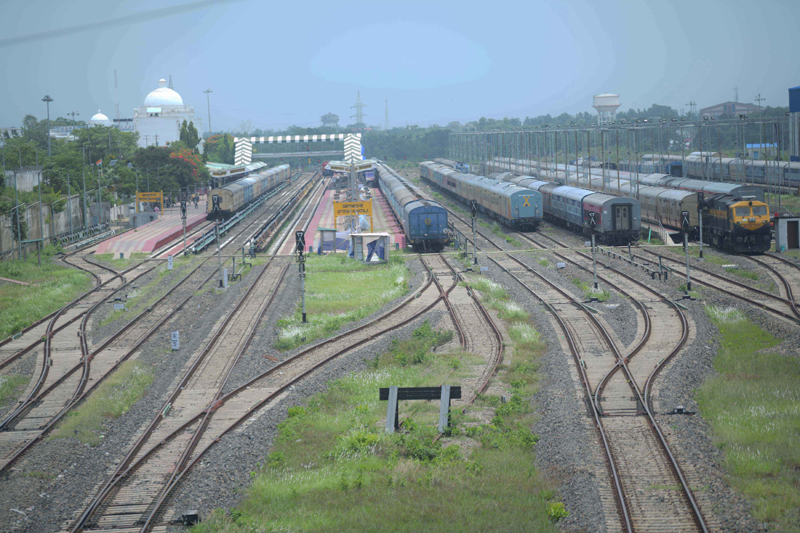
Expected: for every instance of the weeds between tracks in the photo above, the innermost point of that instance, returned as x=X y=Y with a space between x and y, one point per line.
x=340 y=290
x=51 y=287
x=334 y=469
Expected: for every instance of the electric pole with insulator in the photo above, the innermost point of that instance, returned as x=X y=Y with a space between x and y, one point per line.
x=685 y=225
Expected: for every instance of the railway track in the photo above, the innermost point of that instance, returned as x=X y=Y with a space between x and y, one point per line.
x=476 y=330
x=134 y=496
x=777 y=305
x=77 y=369
x=642 y=468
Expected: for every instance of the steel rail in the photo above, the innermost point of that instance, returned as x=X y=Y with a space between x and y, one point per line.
x=644 y=398
x=782 y=278
x=761 y=305
x=49 y=426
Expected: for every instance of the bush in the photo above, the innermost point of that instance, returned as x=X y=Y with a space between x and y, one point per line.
x=557 y=511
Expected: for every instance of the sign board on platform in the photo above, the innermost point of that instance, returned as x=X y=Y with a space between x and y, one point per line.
x=119 y=306
x=176 y=340
x=352 y=208
x=150 y=197
x=169 y=262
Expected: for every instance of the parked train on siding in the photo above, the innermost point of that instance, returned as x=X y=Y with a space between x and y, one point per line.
x=236 y=195
x=424 y=221
x=664 y=199
x=514 y=206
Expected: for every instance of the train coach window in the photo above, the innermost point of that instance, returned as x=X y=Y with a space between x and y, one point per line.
x=742 y=211
x=759 y=210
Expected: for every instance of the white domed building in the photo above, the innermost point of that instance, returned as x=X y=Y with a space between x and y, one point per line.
x=159 y=120
x=99 y=119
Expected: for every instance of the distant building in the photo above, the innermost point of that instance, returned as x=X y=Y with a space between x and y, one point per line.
x=606 y=105
x=99 y=119
x=329 y=120
x=159 y=120
x=729 y=108
x=794 y=123
x=8 y=133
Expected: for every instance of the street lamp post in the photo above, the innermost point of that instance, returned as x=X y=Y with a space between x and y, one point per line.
x=208 y=101
x=47 y=100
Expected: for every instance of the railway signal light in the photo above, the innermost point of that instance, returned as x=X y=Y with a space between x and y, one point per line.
x=215 y=203
x=474 y=207
x=300 y=240
x=685 y=221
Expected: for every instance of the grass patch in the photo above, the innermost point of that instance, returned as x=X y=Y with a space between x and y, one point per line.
x=742 y=273
x=754 y=409
x=334 y=469
x=496 y=297
x=340 y=290
x=51 y=287
x=712 y=258
x=653 y=241
x=112 y=399
x=10 y=384
x=544 y=262
x=589 y=292
x=122 y=264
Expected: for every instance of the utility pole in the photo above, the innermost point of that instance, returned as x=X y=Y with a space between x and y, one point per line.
x=85 y=208
x=215 y=210
x=184 y=194
x=474 y=206
x=208 y=101
x=69 y=203
x=386 y=118
x=685 y=225
x=47 y=100
x=759 y=100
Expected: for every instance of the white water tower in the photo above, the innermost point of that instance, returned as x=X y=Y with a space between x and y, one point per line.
x=606 y=105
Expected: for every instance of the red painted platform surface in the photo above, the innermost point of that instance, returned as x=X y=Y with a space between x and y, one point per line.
x=312 y=227
x=393 y=225
x=154 y=235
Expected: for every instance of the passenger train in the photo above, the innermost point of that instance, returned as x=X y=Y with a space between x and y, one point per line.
x=514 y=206
x=236 y=195
x=424 y=221
x=735 y=216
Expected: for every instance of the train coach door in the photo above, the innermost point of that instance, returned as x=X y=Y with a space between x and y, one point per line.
x=622 y=217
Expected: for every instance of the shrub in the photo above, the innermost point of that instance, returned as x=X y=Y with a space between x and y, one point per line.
x=557 y=511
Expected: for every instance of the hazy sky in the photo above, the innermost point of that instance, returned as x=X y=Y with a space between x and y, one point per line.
x=288 y=62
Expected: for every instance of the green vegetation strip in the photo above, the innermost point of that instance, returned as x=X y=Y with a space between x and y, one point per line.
x=589 y=292
x=121 y=264
x=9 y=384
x=51 y=287
x=333 y=468
x=340 y=290
x=754 y=409
x=112 y=399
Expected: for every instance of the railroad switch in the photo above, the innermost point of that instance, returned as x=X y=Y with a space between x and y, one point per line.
x=680 y=410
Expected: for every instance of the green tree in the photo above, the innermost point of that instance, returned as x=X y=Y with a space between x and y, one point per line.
x=189 y=136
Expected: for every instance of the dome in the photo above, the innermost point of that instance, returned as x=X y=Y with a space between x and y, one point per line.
x=163 y=95
x=99 y=119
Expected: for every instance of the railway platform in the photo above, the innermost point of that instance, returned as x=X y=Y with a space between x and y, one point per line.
x=152 y=236
x=383 y=219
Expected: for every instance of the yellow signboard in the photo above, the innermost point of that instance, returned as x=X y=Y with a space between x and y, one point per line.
x=150 y=197
x=349 y=209
x=344 y=209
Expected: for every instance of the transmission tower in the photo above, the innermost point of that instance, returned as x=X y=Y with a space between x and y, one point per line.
x=170 y=82
x=736 y=95
x=386 y=118
x=692 y=107
x=116 y=90
x=359 y=116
